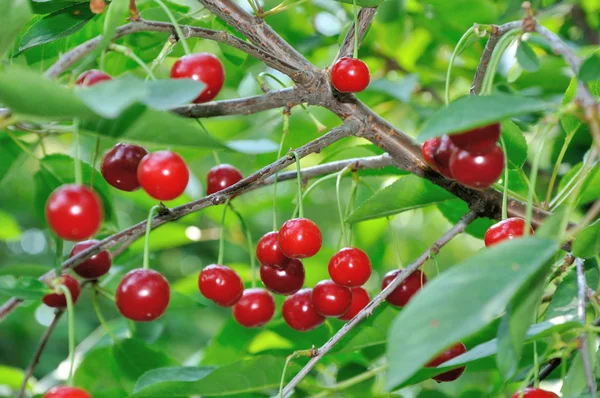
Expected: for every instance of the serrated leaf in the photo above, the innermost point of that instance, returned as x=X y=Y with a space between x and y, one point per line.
x=516 y=145
x=527 y=58
x=25 y=288
x=587 y=242
x=14 y=14
x=590 y=68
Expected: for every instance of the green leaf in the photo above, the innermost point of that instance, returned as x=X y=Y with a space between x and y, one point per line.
x=570 y=123
x=527 y=58
x=363 y=3
x=12 y=377
x=180 y=301
x=587 y=243
x=516 y=145
x=233 y=55
x=231 y=342
x=10 y=228
x=31 y=270
x=460 y=302
x=372 y=331
x=14 y=14
x=50 y=6
x=253 y=147
x=575 y=380
x=98 y=372
x=401 y=90
x=564 y=299
x=590 y=69
x=454 y=209
x=9 y=153
x=25 y=288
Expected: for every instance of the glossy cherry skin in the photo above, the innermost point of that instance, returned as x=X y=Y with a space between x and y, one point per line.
x=95 y=266
x=350 y=267
x=285 y=279
x=534 y=393
x=58 y=300
x=437 y=152
x=163 y=175
x=511 y=228
x=477 y=171
x=479 y=140
x=401 y=295
x=268 y=251
x=300 y=238
x=120 y=164
x=299 y=313
x=452 y=352
x=330 y=299
x=255 y=308
x=350 y=75
x=91 y=77
x=220 y=284
x=360 y=299
x=143 y=295
x=221 y=177
x=203 y=67
x=67 y=392
x=74 y=212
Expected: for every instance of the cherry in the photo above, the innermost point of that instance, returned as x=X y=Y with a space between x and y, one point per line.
x=299 y=313
x=67 y=392
x=437 y=152
x=268 y=251
x=452 y=352
x=143 y=295
x=221 y=177
x=74 y=212
x=120 y=164
x=511 y=228
x=91 y=77
x=401 y=295
x=350 y=75
x=220 y=284
x=330 y=299
x=163 y=175
x=360 y=299
x=58 y=300
x=534 y=393
x=477 y=171
x=479 y=140
x=285 y=279
x=95 y=266
x=203 y=67
x=350 y=267
x=300 y=238
x=255 y=308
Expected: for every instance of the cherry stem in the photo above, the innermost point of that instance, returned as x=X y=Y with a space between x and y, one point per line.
x=249 y=241
x=355 y=11
x=299 y=180
x=313 y=186
x=222 y=235
x=164 y=52
x=533 y=177
x=296 y=354
x=59 y=256
x=96 y=153
x=457 y=50
x=178 y=30
x=505 y=190
x=350 y=207
x=147 y=239
x=339 y=204
x=99 y=315
x=78 y=177
x=396 y=242
x=559 y=160
x=286 y=129
x=71 y=323
x=128 y=52
x=503 y=44
x=105 y=293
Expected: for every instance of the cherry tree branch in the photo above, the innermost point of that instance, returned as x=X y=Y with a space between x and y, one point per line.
x=365 y=17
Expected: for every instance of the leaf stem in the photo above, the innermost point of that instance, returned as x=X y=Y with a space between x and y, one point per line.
x=299 y=181
x=99 y=315
x=164 y=52
x=313 y=186
x=178 y=30
x=503 y=43
x=147 y=238
x=459 y=48
x=59 y=256
x=222 y=235
x=559 y=160
x=296 y=354
x=71 y=323
x=78 y=177
x=128 y=52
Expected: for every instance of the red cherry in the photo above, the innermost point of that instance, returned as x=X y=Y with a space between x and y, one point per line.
x=299 y=313
x=221 y=177
x=74 y=212
x=220 y=284
x=58 y=300
x=452 y=352
x=401 y=295
x=120 y=164
x=67 y=392
x=350 y=75
x=428 y=151
x=300 y=238
x=255 y=308
x=268 y=252
x=479 y=140
x=330 y=299
x=203 y=67
x=477 y=171
x=95 y=266
x=285 y=279
x=163 y=175
x=534 y=393
x=350 y=267
x=511 y=228
x=143 y=295
x=437 y=152
x=91 y=77
x=360 y=299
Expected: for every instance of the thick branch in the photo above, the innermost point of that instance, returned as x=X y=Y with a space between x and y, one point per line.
x=365 y=17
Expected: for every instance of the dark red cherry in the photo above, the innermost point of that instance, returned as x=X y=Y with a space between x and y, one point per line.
x=58 y=299
x=477 y=171
x=452 y=352
x=163 y=175
x=95 y=266
x=221 y=177
x=203 y=67
x=74 y=212
x=350 y=267
x=143 y=295
x=91 y=77
x=479 y=140
x=330 y=299
x=437 y=152
x=120 y=164
x=511 y=228
x=255 y=308
x=285 y=279
x=67 y=392
x=268 y=251
x=428 y=152
x=300 y=238
x=299 y=313
x=401 y=295
x=350 y=75
x=360 y=299
x=534 y=393
x=220 y=284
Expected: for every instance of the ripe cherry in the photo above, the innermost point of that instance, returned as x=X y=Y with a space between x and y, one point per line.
x=203 y=67
x=479 y=140
x=221 y=177
x=74 y=212
x=67 y=392
x=477 y=171
x=401 y=295
x=58 y=300
x=163 y=175
x=452 y=352
x=437 y=152
x=143 y=295
x=120 y=164
x=91 y=77
x=511 y=228
x=299 y=313
x=95 y=266
x=330 y=299
x=350 y=267
x=255 y=308
x=350 y=75
x=268 y=251
x=300 y=238
x=220 y=284
x=284 y=279
x=360 y=299
x=534 y=393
